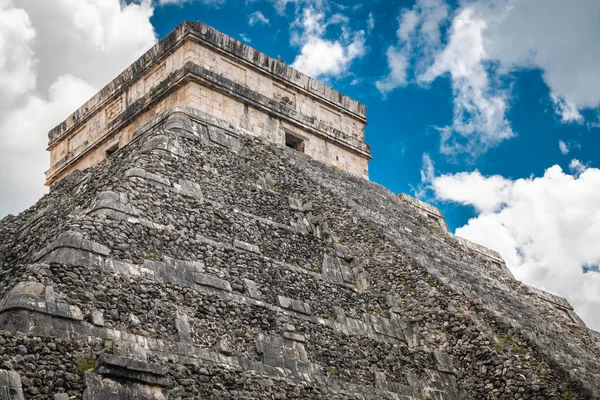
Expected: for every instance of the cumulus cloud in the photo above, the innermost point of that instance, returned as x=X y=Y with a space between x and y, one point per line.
x=558 y=39
x=321 y=57
x=546 y=228
x=486 y=42
x=57 y=55
x=16 y=56
x=258 y=17
x=486 y=194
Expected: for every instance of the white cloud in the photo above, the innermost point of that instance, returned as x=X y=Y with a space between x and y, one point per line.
x=428 y=169
x=23 y=157
x=66 y=50
x=181 y=2
x=427 y=175
x=16 y=56
x=409 y=20
x=370 y=22
x=281 y=5
x=258 y=17
x=558 y=38
x=398 y=62
x=567 y=110
x=489 y=40
x=479 y=108
x=418 y=37
x=546 y=228
x=486 y=194
x=320 y=57
x=564 y=148
x=576 y=167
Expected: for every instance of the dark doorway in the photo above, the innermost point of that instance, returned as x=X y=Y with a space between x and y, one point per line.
x=294 y=142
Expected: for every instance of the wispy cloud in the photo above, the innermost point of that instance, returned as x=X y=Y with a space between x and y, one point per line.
x=479 y=106
x=485 y=43
x=564 y=149
x=577 y=167
x=567 y=110
x=370 y=22
x=258 y=17
x=398 y=62
x=181 y=2
x=418 y=38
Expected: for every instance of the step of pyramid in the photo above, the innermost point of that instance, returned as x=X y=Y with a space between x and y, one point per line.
x=273 y=276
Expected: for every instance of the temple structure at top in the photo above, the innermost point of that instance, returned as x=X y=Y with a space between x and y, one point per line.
x=197 y=66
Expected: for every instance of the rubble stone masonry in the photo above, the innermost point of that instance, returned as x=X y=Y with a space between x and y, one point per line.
x=198 y=262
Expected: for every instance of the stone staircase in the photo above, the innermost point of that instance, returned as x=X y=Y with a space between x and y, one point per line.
x=197 y=262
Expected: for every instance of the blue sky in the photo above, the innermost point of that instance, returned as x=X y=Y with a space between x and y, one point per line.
x=490 y=110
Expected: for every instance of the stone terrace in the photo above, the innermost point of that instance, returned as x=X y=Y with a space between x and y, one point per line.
x=199 y=262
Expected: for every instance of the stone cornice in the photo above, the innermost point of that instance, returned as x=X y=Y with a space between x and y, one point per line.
x=200 y=32
x=194 y=72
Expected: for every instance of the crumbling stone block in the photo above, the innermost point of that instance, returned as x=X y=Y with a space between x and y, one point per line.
x=444 y=363
x=246 y=246
x=10 y=385
x=337 y=270
x=97 y=317
x=297 y=205
x=164 y=143
x=252 y=289
x=278 y=351
x=183 y=327
x=294 y=336
x=130 y=369
x=294 y=305
x=189 y=188
x=212 y=281
x=110 y=203
x=101 y=387
x=137 y=172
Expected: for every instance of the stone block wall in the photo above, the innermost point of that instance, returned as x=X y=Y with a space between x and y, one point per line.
x=196 y=263
x=189 y=69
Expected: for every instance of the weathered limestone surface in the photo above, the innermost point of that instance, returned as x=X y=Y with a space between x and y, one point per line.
x=200 y=67
x=190 y=265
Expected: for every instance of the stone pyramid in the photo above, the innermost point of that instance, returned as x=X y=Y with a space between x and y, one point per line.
x=198 y=262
